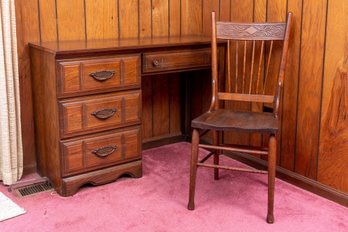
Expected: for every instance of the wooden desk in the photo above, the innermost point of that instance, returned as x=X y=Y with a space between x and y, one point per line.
x=88 y=101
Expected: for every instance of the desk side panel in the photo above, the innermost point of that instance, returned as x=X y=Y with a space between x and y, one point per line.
x=43 y=74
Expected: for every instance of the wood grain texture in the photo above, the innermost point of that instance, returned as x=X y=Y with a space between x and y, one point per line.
x=260 y=11
x=208 y=7
x=276 y=12
x=155 y=62
x=174 y=17
x=225 y=6
x=333 y=150
x=101 y=151
x=312 y=51
x=175 y=103
x=242 y=13
x=288 y=130
x=71 y=20
x=48 y=20
x=147 y=119
x=46 y=115
x=145 y=21
x=37 y=19
x=128 y=18
x=260 y=15
x=191 y=17
x=101 y=19
x=160 y=13
x=98 y=113
x=196 y=85
x=27 y=23
x=161 y=105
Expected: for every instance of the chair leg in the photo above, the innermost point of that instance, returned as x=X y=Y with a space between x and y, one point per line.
x=193 y=170
x=272 y=154
x=216 y=154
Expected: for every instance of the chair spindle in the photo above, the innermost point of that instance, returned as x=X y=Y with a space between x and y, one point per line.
x=260 y=67
x=267 y=68
x=252 y=67
x=229 y=85
x=236 y=67
x=244 y=64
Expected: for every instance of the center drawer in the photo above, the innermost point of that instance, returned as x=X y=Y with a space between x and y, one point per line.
x=154 y=62
x=100 y=112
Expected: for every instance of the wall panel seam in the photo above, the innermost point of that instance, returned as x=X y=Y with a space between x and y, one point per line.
x=322 y=89
x=298 y=89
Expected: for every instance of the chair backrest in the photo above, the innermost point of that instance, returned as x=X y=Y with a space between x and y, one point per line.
x=251 y=55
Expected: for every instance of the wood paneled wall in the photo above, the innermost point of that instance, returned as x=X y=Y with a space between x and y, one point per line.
x=314 y=132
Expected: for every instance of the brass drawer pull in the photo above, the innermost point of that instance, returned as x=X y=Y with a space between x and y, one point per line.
x=103 y=152
x=156 y=63
x=102 y=75
x=104 y=113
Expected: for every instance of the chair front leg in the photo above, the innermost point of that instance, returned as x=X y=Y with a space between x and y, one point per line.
x=216 y=153
x=193 y=169
x=272 y=154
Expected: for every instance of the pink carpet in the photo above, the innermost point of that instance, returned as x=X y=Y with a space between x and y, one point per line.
x=157 y=202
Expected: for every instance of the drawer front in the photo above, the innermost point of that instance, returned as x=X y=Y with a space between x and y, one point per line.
x=97 y=75
x=100 y=151
x=180 y=60
x=92 y=114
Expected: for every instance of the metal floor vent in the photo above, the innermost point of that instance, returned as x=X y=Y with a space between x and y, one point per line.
x=33 y=189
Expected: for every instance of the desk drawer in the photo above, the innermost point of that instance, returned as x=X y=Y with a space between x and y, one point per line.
x=97 y=75
x=91 y=114
x=179 y=60
x=104 y=150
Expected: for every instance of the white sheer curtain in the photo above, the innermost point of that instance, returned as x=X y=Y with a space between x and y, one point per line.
x=11 y=152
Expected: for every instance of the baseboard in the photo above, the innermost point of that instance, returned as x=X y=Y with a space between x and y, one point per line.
x=163 y=140
x=296 y=179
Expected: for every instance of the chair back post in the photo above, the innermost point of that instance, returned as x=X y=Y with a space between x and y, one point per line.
x=214 y=101
x=282 y=66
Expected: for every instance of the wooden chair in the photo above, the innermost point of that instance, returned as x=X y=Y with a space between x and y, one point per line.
x=248 y=82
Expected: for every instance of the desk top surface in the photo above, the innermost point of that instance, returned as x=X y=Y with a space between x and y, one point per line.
x=109 y=45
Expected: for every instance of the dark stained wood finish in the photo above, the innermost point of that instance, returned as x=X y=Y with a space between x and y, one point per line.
x=79 y=77
x=175 y=100
x=37 y=21
x=161 y=110
x=229 y=120
x=97 y=113
x=242 y=13
x=220 y=119
x=73 y=113
x=112 y=46
x=27 y=27
x=46 y=115
x=71 y=184
x=95 y=90
x=289 y=110
x=147 y=103
x=250 y=31
x=93 y=153
x=177 y=60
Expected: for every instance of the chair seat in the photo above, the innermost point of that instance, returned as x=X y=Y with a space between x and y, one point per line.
x=229 y=120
